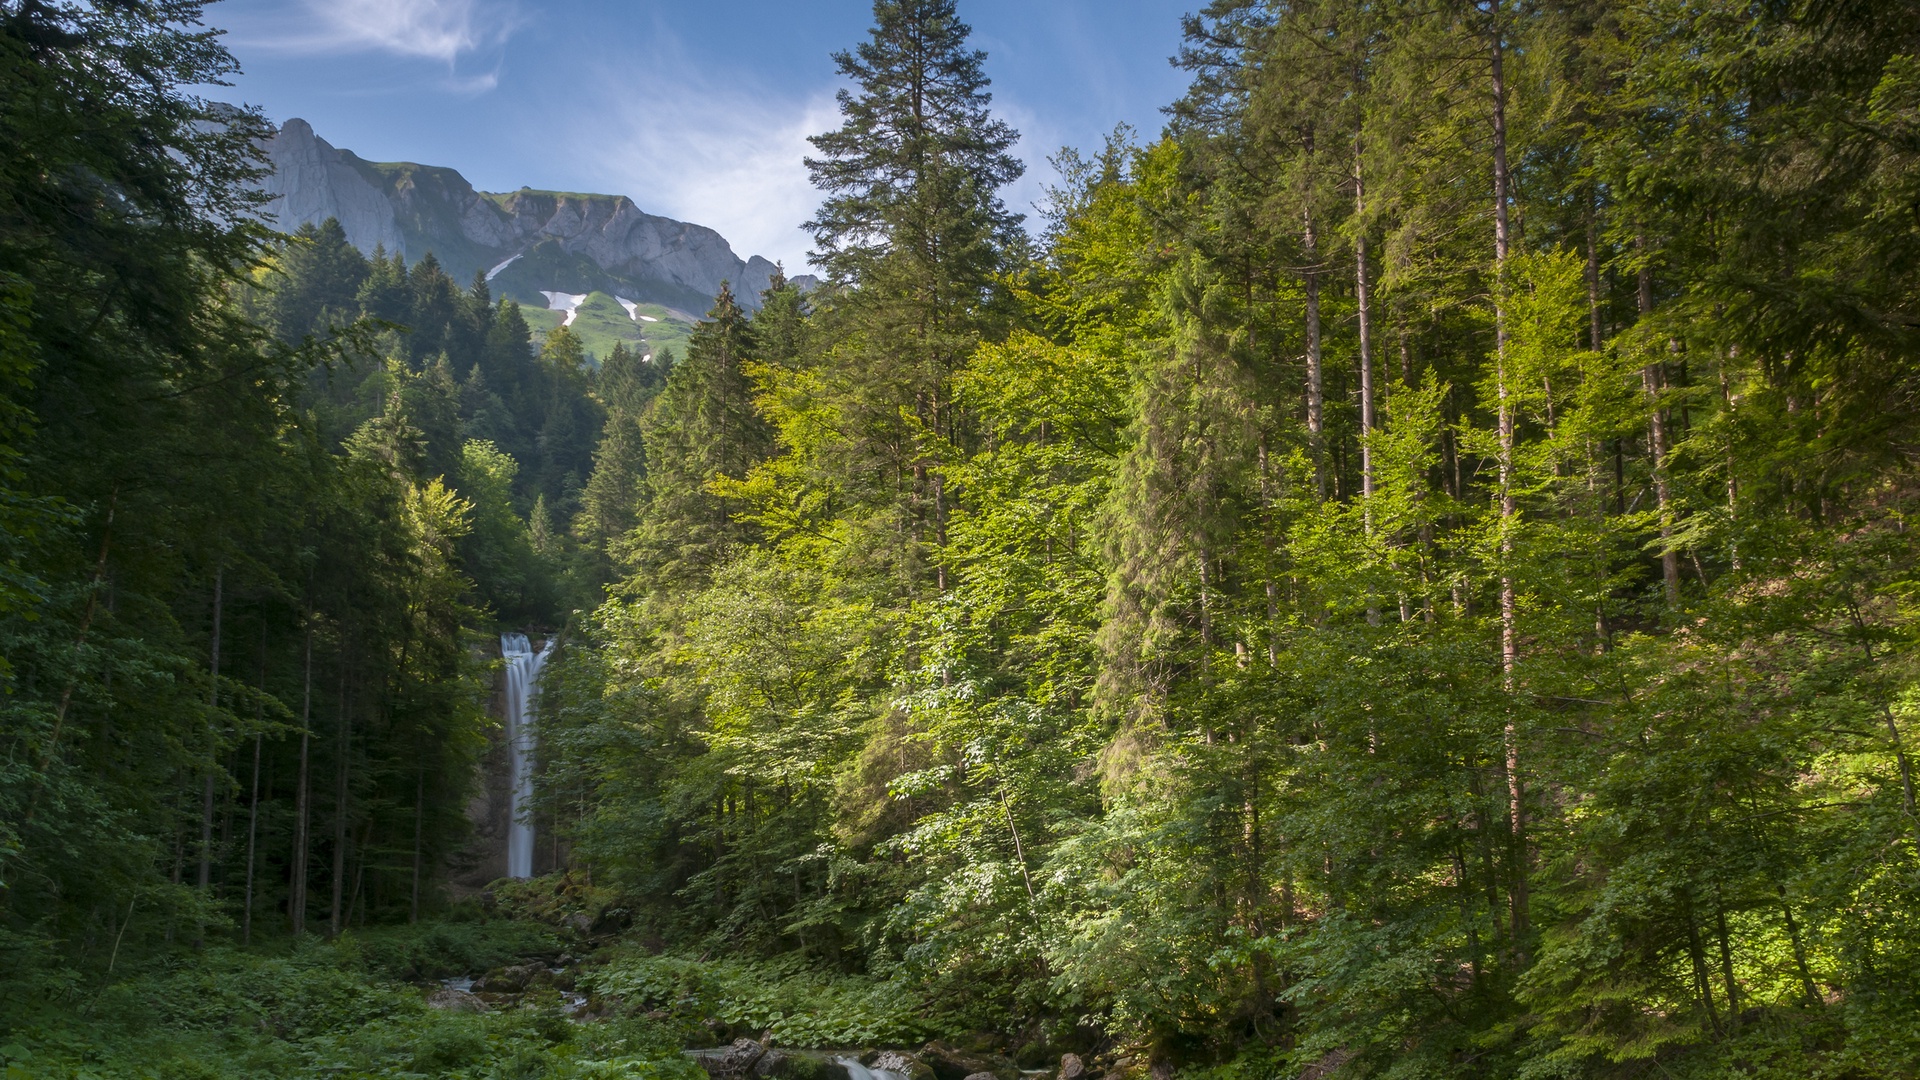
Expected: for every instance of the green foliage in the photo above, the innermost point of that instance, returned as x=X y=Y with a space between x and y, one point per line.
x=1287 y=623
x=323 y=1011
x=792 y=1003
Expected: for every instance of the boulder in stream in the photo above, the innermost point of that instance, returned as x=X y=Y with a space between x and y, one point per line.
x=1071 y=1067
x=907 y=1065
x=735 y=1062
x=451 y=999
x=513 y=979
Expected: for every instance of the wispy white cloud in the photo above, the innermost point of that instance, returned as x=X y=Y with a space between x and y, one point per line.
x=734 y=160
x=432 y=29
x=445 y=31
x=715 y=148
x=727 y=156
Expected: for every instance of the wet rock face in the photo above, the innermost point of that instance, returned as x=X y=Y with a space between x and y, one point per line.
x=908 y=1065
x=449 y=999
x=514 y=979
x=735 y=1062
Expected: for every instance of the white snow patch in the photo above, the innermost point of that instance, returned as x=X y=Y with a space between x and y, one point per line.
x=633 y=310
x=495 y=272
x=567 y=302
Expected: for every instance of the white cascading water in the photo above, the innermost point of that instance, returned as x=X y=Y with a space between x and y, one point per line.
x=523 y=682
x=857 y=1071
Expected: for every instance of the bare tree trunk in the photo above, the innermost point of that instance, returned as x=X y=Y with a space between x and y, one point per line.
x=419 y=821
x=1594 y=329
x=1316 y=383
x=343 y=741
x=1361 y=295
x=1367 y=418
x=253 y=835
x=297 y=896
x=205 y=876
x=1509 y=511
x=253 y=800
x=1652 y=380
x=213 y=702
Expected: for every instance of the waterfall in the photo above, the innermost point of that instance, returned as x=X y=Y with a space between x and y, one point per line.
x=523 y=682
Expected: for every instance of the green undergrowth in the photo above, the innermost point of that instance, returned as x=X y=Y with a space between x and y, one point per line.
x=783 y=999
x=316 y=1010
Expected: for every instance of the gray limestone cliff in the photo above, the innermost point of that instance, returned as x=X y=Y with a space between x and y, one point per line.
x=311 y=182
x=526 y=240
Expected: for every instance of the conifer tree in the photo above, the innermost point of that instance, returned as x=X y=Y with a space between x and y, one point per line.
x=703 y=427
x=913 y=231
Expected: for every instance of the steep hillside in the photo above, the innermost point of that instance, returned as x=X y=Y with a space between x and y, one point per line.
x=602 y=321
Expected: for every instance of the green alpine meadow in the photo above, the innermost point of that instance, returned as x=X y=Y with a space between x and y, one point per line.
x=1409 y=569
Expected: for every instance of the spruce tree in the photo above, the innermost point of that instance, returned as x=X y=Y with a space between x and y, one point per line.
x=912 y=234
x=702 y=427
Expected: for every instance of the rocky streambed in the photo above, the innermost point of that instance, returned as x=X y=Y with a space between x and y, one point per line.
x=511 y=987
x=553 y=982
x=748 y=1059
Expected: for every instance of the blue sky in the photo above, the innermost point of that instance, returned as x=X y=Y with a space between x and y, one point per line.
x=698 y=111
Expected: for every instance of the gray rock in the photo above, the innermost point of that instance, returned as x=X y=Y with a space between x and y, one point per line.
x=311 y=182
x=448 y=999
x=513 y=979
x=1071 y=1067
x=903 y=1063
x=735 y=1062
x=416 y=209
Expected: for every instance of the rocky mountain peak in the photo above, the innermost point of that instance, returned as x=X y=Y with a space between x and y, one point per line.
x=529 y=241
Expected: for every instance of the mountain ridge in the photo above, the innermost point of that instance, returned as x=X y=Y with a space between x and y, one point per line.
x=527 y=241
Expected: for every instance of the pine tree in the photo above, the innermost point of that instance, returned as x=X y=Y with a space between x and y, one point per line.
x=702 y=427
x=320 y=275
x=913 y=233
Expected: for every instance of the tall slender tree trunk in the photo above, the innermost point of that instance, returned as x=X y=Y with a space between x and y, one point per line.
x=213 y=702
x=1509 y=511
x=1652 y=381
x=342 y=778
x=253 y=799
x=253 y=836
x=1316 y=382
x=1596 y=338
x=1362 y=297
x=1595 y=331
x=419 y=823
x=302 y=802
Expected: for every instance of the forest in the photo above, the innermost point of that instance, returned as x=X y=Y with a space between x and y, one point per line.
x=1402 y=572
